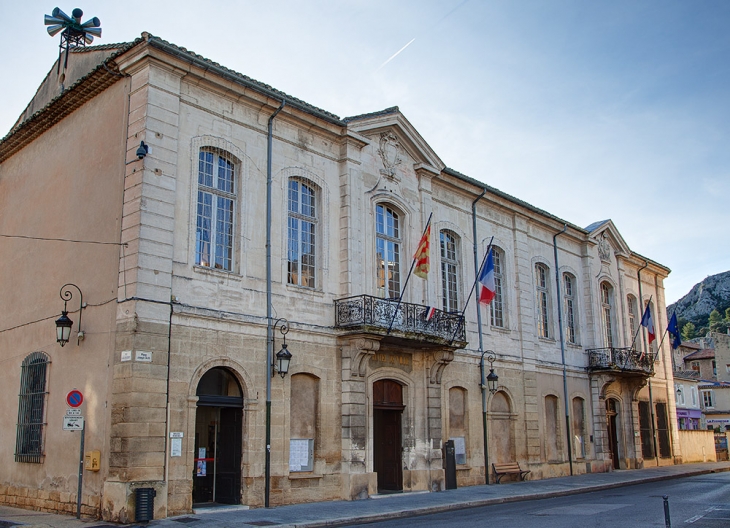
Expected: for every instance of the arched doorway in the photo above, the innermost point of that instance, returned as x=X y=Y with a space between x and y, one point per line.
x=501 y=436
x=387 y=443
x=612 y=429
x=218 y=439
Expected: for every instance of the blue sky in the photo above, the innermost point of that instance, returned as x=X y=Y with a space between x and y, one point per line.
x=590 y=110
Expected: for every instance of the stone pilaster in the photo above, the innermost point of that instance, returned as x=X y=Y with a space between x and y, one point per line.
x=357 y=482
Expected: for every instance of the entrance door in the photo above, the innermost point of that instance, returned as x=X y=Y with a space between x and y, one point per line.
x=218 y=439
x=387 y=444
x=612 y=426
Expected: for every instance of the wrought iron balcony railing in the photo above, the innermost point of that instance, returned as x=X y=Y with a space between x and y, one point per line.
x=375 y=315
x=627 y=360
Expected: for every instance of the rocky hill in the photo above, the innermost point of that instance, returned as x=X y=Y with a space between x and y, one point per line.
x=713 y=293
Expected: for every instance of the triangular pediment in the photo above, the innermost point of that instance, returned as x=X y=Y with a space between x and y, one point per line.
x=607 y=237
x=392 y=125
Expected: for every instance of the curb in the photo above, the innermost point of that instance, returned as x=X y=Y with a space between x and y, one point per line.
x=429 y=510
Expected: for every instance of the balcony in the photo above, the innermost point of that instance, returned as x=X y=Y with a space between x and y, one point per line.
x=373 y=315
x=623 y=360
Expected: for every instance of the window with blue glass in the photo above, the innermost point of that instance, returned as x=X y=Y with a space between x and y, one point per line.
x=217 y=180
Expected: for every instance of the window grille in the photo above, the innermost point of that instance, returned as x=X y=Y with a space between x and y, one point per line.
x=31 y=409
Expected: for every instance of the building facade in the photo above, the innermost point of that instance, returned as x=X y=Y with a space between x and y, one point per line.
x=169 y=248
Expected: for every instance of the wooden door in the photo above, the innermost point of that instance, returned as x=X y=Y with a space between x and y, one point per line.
x=228 y=463
x=611 y=414
x=387 y=449
x=387 y=442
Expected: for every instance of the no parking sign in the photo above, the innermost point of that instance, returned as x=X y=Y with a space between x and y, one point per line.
x=74 y=399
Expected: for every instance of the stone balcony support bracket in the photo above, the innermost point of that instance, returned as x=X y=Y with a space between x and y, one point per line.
x=441 y=358
x=359 y=352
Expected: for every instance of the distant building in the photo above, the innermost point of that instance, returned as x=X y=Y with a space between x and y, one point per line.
x=168 y=245
x=689 y=409
x=703 y=362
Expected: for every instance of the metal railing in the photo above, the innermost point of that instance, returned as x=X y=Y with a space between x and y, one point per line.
x=620 y=359
x=377 y=313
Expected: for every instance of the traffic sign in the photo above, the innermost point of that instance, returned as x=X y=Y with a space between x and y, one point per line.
x=73 y=423
x=73 y=412
x=74 y=398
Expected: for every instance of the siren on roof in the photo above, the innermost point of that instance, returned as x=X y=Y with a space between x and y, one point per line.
x=74 y=33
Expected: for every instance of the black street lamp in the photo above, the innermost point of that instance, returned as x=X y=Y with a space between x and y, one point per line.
x=63 y=323
x=283 y=356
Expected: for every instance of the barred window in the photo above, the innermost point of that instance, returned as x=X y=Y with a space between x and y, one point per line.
x=571 y=335
x=497 y=304
x=302 y=234
x=31 y=409
x=543 y=303
x=217 y=182
x=387 y=248
x=449 y=271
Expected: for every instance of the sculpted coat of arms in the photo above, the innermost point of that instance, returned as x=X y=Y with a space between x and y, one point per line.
x=389 y=151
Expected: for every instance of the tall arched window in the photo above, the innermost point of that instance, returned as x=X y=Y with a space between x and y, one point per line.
x=653 y=346
x=387 y=248
x=449 y=271
x=552 y=440
x=497 y=304
x=634 y=317
x=217 y=181
x=303 y=421
x=542 y=285
x=302 y=224
x=458 y=426
x=569 y=300
x=31 y=408
x=579 y=427
x=606 y=313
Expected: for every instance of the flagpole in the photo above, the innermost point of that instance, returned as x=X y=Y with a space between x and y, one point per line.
x=641 y=325
x=664 y=335
x=471 y=292
x=413 y=263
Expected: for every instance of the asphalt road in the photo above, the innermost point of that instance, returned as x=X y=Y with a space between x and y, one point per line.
x=694 y=502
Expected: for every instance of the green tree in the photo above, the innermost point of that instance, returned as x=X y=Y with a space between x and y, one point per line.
x=715 y=322
x=688 y=332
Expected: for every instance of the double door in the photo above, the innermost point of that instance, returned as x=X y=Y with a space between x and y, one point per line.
x=217 y=469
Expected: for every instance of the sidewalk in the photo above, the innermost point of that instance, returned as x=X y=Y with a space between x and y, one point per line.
x=338 y=513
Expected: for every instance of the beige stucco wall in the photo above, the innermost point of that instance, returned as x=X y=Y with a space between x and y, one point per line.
x=67 y=184
x=697 y=446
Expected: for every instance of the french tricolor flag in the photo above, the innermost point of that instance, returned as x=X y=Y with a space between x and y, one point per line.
x=486 y=281
x=648 y=322
x=430 y=311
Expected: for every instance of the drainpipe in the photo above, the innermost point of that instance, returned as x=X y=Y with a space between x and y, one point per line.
x=481 y=343
x=562 y=348
x=269 y=326
x=646 y=348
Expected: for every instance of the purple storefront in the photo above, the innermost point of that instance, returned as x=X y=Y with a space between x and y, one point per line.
x=688 y=419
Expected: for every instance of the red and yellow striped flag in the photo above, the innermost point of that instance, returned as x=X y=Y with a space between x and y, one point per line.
x=422 y=255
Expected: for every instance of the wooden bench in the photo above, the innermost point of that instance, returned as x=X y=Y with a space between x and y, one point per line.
x=510 y=468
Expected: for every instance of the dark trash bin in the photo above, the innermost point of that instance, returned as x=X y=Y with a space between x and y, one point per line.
x=144 y=504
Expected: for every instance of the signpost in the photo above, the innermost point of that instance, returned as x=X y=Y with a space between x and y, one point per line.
x=74 y=421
